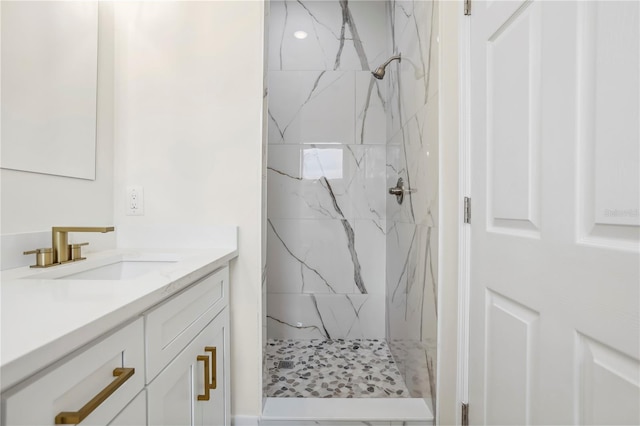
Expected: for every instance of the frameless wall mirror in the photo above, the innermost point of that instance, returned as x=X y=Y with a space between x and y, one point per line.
x=49 y=68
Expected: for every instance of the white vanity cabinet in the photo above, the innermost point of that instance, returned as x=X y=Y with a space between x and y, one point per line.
x=188 y=355
x=167 y=366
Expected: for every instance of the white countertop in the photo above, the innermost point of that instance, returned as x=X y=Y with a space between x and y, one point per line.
x=44 y=319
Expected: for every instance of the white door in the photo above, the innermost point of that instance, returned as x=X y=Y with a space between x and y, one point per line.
x=555 y=153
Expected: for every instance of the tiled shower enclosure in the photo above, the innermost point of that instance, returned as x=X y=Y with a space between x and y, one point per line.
x=344 y=260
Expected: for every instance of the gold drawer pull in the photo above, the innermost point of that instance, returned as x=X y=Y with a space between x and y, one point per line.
x=205 y=359
x=214 y=367
x=75 y=417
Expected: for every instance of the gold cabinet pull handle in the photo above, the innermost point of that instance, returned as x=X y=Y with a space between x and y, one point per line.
x=75 y=417
x=214 y=367
x=205 y=359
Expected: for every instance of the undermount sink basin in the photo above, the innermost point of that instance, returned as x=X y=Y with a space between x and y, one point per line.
x=126 y=266
x=122 y=270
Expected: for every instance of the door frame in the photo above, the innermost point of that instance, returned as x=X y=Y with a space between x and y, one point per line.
x=464 y=235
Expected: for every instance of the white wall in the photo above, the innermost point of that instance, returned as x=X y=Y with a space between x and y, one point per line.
x=449 y=215
x=188 y=128
x=35 y=202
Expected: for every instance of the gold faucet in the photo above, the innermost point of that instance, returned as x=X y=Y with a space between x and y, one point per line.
x=60 y=241
x=61 y=251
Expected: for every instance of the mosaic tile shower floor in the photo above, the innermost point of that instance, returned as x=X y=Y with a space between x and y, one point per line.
x=332 y=369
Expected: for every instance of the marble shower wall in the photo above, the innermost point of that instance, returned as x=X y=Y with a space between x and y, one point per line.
x=412 y=228
x=326 y=170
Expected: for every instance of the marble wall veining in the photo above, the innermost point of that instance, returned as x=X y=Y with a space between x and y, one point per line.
x=412 y=228
x=326 y=170
x=344 y=259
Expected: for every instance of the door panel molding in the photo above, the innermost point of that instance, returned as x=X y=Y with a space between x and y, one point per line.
x=599 y=369
x=513 y=353
x=513 y=119
x=607 y=179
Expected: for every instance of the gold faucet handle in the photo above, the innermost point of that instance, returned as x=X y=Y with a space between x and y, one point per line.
x=75 y=251
x=44 y=257
x=102 y=229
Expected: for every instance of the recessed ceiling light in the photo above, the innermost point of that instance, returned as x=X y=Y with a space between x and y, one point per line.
x=300 y=35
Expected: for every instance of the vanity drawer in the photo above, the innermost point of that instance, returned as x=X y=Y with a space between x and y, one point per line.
x=104 y=368
x=172 y=325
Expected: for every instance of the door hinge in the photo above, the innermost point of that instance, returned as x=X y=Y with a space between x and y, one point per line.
x=467 y=210
x=467 y=7
x=464 y=419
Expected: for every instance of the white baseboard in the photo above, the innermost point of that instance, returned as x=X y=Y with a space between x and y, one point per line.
x=245 y=421
x=379 y=411
x=340 y=412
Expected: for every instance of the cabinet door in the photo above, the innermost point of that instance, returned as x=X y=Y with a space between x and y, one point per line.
x=171 y=395
x=182 y=393
x=215 y=412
